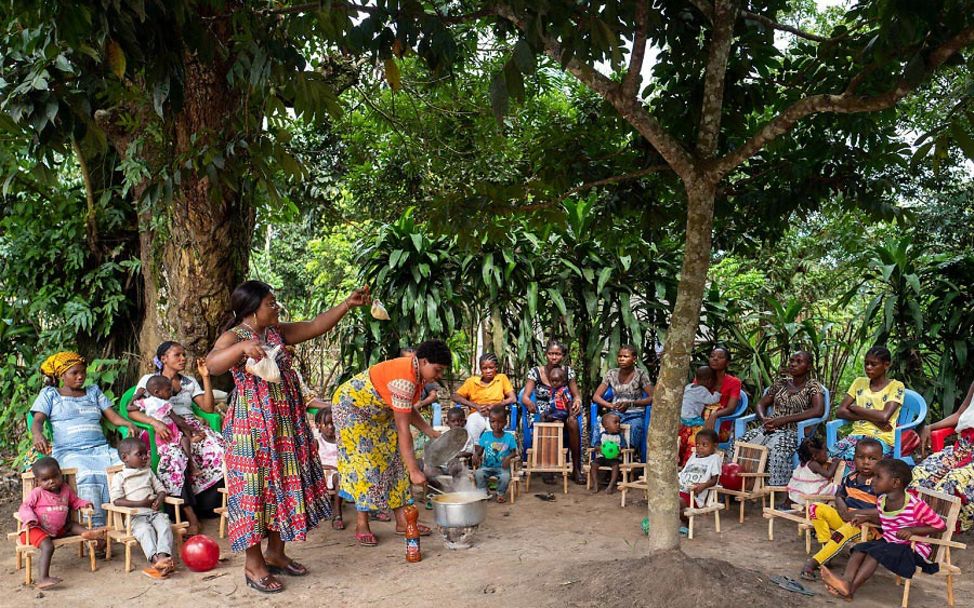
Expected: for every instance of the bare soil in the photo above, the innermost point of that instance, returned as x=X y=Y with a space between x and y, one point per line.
x=581 y=550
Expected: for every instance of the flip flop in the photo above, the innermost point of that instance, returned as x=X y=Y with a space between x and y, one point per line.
x=549 y=497
x=380 y=516
x=684 y=531
x=790 y=584
x=263 y=584
x=337 y=523
x=366 y=539
x=292 y=568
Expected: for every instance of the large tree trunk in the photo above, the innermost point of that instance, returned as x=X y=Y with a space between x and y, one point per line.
x=195 y=261
x=664 y=506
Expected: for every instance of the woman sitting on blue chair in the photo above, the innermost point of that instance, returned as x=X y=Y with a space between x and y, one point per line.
x=793 y=398
x=539 y=385
x=632 y=391
x=872 y=404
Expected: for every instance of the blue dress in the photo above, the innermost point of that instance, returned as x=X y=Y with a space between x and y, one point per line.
x=79 y=442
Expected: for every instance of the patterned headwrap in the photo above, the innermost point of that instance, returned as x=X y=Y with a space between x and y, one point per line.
x=58 y=363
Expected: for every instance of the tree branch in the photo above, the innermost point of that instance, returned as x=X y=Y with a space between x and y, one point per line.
x=771 y=23
x=725 y=13
x=615 y=179
x=630 y=108
x=707 y=10
x=845 y=103
x=630 y=85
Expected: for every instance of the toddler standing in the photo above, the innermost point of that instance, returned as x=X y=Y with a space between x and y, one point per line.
x=157 y=406
x=561 y=396
x=324 y=433
x=137 y=487
x=814 y=473
x=47 y=515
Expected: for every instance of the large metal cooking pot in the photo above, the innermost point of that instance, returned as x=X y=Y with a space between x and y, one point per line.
x=460 y=509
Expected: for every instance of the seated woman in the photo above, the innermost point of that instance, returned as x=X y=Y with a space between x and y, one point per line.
x=198 y=484
x=951 y=470
x=538 y=383
x=729 y=388
x=75 y=413
x=480 y=393
x=794 y=398
x=632 y=391
x=873 y=404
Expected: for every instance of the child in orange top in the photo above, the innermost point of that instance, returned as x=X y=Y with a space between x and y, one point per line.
x=481 y=393
x=47 y=515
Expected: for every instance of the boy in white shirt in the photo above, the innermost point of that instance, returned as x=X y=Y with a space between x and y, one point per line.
x=137 y=487
x=702 y=470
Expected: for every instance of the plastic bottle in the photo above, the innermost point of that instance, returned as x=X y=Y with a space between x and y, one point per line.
x=413 y=553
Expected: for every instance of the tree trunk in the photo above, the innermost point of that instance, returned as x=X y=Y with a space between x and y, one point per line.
x=192 y=266
x=662 y=462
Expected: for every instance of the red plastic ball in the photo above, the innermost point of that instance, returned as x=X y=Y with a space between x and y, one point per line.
x=730 y=476
x=200 y=553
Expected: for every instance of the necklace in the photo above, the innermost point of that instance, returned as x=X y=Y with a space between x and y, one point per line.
x=253 y=330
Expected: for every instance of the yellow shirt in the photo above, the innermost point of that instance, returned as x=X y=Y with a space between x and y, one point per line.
x=493 y=392
x=865 y=398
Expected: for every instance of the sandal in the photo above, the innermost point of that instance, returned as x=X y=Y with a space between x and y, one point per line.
x=366 y=539
x=264 y=584
x=380 y=516
x=292 y=568
x=790 y=584
x=423 y=531
x=549 y=497
x=337 y=523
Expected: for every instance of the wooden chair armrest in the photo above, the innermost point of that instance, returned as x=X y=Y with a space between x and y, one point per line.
x=818 y=497
x=172 y=500
x=938 y=541
x=121 y=510
x=776 y=488
x=752 y=474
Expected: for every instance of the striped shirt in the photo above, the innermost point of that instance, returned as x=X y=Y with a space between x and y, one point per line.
x=914 y=514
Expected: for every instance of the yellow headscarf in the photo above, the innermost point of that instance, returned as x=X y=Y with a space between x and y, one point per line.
x=58 y=363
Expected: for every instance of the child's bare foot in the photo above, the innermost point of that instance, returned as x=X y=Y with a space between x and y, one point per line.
x=48 y=582
x=193 y=529
x=809 y=570
x=836 y=583
x=501 y=499
x=95 y=533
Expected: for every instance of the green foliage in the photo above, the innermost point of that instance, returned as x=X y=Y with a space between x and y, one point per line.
x=589 y=281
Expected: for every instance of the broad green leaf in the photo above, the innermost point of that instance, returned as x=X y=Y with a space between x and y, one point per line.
x=393 y=76
x=499 y=97
x=524 y=57
x=559 y=301
x=604 y=277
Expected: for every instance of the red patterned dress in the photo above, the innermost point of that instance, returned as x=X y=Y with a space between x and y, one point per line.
x=274 y=477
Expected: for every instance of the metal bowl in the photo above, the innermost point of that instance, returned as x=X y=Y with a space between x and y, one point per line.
x=460 y=509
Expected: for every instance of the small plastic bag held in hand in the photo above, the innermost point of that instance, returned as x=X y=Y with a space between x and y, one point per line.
x=266 y=368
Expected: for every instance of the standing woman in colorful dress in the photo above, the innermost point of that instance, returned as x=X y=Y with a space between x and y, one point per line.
x=276 y=488
x=373 y=412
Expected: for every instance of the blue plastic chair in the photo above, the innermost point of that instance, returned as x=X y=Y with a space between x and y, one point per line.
x=527 y=430
x=805 y=427
x=740 y=410
x=912 y=413
x=594 y=419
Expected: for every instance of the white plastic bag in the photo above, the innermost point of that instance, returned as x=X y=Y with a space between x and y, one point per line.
x=266 y=368
x=379 y=311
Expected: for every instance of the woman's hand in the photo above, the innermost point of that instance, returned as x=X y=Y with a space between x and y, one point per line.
x=359 y=297
x=770 y=424
x=41 y=445
x=201 y=368
x=925 y=441
x=252 y=349
x=433 y=434
x=417 y=477
x=132 y=430
x=576 y=408
x=162 y=431
x=621 y=406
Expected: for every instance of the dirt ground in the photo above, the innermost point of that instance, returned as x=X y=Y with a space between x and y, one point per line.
x=581 y=550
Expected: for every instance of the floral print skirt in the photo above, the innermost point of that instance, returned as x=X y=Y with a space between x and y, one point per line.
x=207 y=458
x=369 y=464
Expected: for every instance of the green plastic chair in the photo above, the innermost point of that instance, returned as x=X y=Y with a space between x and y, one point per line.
x=212 y=419
x=123 y=411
